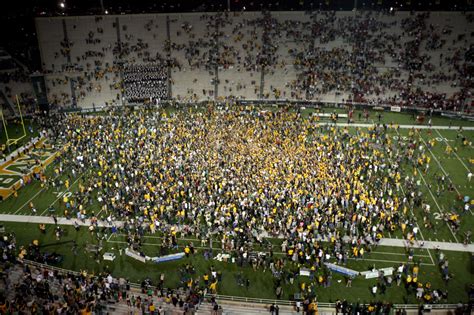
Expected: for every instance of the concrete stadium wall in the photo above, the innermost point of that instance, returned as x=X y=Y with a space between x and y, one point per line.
x=62 y=42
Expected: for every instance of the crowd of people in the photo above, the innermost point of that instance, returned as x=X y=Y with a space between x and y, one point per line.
x=145 y=83
x=9 y=81
x=407 y=61
x=30 y=289
x=239 y=176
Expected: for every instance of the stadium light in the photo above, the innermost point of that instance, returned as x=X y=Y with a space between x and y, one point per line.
x=62 y=5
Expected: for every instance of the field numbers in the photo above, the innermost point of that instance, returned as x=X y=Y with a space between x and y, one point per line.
x=439 y=139
x=6 y=180
x=60 y=194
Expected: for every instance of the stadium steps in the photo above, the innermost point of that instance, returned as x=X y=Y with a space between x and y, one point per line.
x=232 y=308
x=14 y=275
x=122 y=309
x=117 y=308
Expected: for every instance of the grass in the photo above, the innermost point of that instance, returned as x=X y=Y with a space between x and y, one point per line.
x=261 y=283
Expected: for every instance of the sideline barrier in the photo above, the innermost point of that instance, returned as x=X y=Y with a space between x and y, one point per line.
x=133 y=254
x=342 y=270
x=137 y=256
x=375 y=273
x=166 y=258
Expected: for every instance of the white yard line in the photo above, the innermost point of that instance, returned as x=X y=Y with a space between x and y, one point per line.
x=110 y=236
x=97 y=215
x=432 y=196
x=441 y=167
x=70 y=186
x=460 y=160
x=413 y=214
x=388 y=261
x=34 y=196
x=397 y=254
x=280 y=253
x=429 y=254
x=197 y=240
x=437 y=161
x=421 y=233
x=161 y=237
x=436 y=127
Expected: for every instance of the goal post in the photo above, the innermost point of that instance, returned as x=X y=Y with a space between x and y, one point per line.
x=4 y=125
x=21 y=118
x=12 y=141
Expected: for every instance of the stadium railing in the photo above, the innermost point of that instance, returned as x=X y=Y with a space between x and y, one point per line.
x=252 y=300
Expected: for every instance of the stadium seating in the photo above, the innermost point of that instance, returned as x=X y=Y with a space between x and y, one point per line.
x=59 y=90
x=291 y=35
x=191 y=43
x=240 y=44
x=315 y=56
x=50 y=36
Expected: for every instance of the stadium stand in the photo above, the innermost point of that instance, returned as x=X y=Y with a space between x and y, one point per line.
x=289 y=34
x=145 y=83
x=240 y=45
x=409 y=59
x=193 y=73
x=12 y=84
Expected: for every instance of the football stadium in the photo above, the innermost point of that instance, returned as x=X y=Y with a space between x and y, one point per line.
x=237 y=157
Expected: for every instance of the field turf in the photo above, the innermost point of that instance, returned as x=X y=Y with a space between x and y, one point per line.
x=455 y=166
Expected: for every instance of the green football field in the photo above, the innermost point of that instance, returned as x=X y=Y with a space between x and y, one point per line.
x=455 y=166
